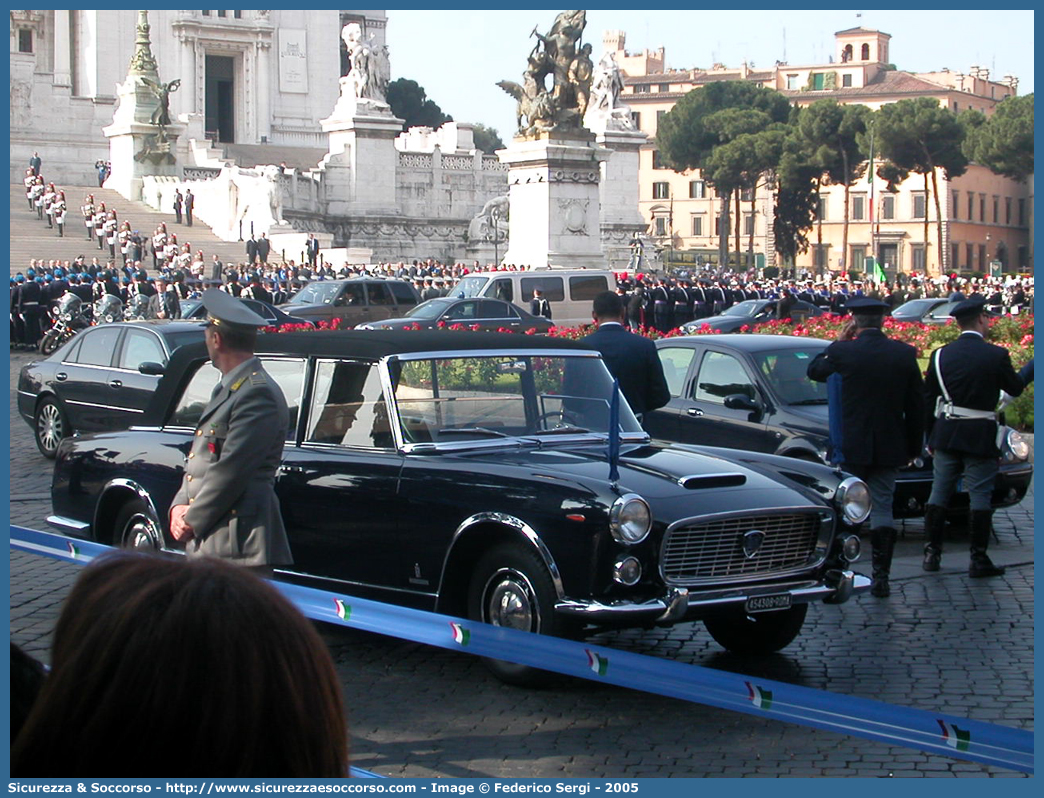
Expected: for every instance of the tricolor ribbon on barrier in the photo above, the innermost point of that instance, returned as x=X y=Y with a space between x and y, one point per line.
x=924 y=730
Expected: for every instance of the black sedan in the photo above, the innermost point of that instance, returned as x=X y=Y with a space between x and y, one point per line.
x=467 y=472
x=193 y=309
x=102 y=379
x=917 y=309
x=750 y=312
x=751 y=392
x=485 y=314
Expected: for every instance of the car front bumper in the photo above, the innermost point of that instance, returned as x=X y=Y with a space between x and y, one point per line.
x=680 y=604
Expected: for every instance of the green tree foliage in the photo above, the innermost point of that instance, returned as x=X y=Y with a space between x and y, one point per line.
x=708 y=118
x=1004 y=142
x=834 y=134
x=919 y=136
x=797 y=195
x=487 y=139
x=410 y=102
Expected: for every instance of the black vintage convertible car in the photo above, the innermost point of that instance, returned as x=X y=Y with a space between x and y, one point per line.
x=468 y=473
x=751 y=392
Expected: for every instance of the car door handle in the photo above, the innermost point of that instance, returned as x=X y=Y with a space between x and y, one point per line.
x=115 y=383
x=694 y=411
x=61 y=376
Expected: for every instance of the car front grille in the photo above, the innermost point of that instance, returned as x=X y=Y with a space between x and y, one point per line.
x=712 y=549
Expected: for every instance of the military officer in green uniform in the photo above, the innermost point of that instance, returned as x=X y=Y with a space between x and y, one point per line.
x=226 y=506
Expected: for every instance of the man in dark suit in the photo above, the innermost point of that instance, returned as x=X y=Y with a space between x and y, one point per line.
x=876 y=421
x=251 y=249
x=35 y=163
x=190 y=201
x=312 y=249
x=631 y=358
x=263 y=248
x=227 y=506
x=962 y=388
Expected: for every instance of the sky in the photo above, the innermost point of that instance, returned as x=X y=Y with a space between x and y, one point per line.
x=458 y=56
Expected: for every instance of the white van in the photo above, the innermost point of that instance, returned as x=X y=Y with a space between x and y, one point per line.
x=570 y=291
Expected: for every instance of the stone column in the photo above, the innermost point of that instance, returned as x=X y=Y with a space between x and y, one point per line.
x=554 y=204
x=62 y=66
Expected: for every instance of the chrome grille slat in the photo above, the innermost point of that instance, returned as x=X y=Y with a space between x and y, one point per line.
x=712 y=549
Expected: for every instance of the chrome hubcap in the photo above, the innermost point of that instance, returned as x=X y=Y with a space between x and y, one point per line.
x=49 y=427
x=511 y=602
x=141 y=534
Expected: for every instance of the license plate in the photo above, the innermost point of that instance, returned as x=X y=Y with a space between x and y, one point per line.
x=779 y=601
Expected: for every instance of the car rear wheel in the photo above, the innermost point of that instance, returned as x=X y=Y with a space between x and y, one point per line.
x=136 y=528
x=511 y=587
x=760 y=633
x=51 y=427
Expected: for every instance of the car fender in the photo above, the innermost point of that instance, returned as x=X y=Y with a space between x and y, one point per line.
x=467 y=542
x=112 y=496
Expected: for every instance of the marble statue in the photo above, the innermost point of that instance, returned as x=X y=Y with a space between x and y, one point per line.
x=560 y=55
x=369 y=68
x=491 y=223
x=161 y=116
x=605 y=105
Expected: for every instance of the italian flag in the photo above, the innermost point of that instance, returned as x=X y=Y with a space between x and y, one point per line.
x=344 y=612
x=461 y=636
x=762 y=699
x=596 y=662
x=74 y=551
x=955 y=737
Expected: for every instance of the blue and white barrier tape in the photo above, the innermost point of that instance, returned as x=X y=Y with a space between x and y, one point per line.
x=933 y=732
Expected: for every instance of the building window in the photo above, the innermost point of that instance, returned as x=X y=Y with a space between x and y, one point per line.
x=920 y=202
x=636 y=118
x=205 y=13
x=748 y=224
x=846 y=81
x=888 y=207
x=697 y=224
x=664 y=88
x=237 y=14
x=661 y=190
x=642 y=88
x=956 y=107
x=982 y=207
x=717 y=224
x=996 y=209
x=698 y=189
x=1022 y=213
x=821 y=256
x=746 y=194
x=858 y=256
x=1007 y=210
x=657 y=161
x=858 y=207
x=917 y=258
x=956 y=205
x=971 y=205
x=982 y=258
x=955 y=257
x=818 y=81
x=969 y=256
x=25 y=40
x=821 y=209
x=865 y=52
x=661 y=225
x=792 y=82
x=222 y=13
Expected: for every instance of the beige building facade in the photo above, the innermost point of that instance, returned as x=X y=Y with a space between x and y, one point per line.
x=986 y=218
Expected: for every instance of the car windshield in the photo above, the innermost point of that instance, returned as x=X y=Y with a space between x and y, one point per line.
x=746 y=308
x=469 y=286
x=319 y=293
x=491 y=397
x=786 y=371
x=914 y=307
x=431 y=309
x=188 y=307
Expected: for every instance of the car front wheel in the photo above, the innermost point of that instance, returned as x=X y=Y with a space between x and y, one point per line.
x=136 y=528
x=760 y=633
x=51 y=427
x=511 y=587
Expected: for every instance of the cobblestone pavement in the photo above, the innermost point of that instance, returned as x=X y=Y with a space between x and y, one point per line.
x=940 y=642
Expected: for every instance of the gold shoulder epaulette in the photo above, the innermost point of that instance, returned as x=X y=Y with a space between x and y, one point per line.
x=236 y=385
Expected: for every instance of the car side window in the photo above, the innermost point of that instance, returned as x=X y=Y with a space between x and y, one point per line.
x=493 y=309
x=721 y=375
x=354 y=294
x=586 y=287
x=379 y=294
x=140 y=347
x=195 y=397
x=553 y=288
x=462 y=310
x=402 y=293
x=289 y=376
x=502 y=289
x=676 y=361
x=99 y=346
x=348 y=406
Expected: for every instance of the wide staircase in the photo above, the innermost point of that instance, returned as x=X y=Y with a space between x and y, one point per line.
x=31 y=238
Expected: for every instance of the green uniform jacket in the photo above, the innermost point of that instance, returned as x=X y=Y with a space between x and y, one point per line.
x=230 y=472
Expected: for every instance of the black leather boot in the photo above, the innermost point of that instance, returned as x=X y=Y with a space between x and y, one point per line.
x=882 y=542
x=934 y=525
x=981 y=526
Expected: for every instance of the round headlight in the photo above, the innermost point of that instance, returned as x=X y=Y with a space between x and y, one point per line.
x=853 y=498
x=1018 y=445
x=630 y=519
x=851 y=546
x=627 y=571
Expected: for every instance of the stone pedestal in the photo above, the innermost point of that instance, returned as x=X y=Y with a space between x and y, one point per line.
x=137 y=150
x=618 y=193
x=360 y=166
x=553 y=192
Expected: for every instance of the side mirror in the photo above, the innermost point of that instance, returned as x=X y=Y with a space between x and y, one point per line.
x=152 y=369
x=739 y=401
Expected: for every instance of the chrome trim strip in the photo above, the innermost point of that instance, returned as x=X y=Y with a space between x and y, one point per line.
x=519 y=526
x=103 y=407
x=447 y=354
x=69 y=525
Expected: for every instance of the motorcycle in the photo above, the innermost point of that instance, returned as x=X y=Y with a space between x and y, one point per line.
x=68 y=319
x=107 y=309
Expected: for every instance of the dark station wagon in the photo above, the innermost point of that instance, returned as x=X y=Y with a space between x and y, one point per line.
x=468 y=473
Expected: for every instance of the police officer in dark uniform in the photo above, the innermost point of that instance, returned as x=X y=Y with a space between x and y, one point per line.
x=680 y=306
x=962 y=389
x=661 y=299
x=877 y=395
